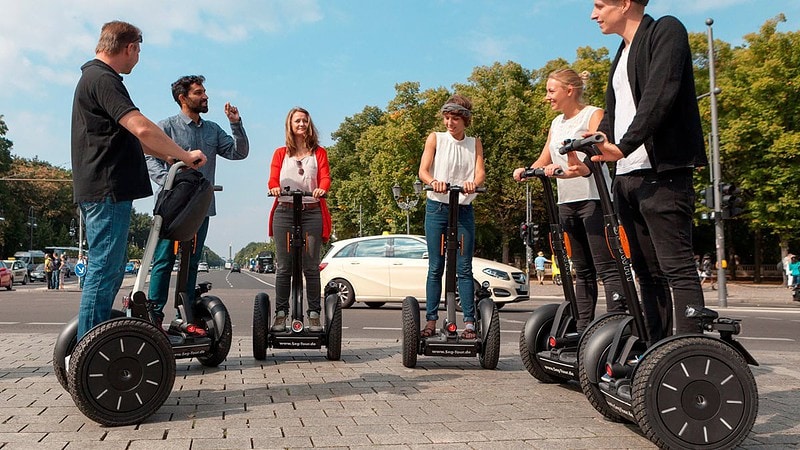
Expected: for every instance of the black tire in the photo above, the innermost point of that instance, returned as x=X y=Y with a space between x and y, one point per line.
x=25 y=280
x=591 y=390
x=410 y=331
x=261 y=324
x=334 y=331
x=499 y=305
x=679 y=400
x=121 y=372
x=540 y=322
x=65 y=344
x=346 y=294
x=209 y=307
x=490 y=354
x=375 y=304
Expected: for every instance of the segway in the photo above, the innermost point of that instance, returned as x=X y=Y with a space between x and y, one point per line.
x=684 y=391
x=548 y=342
x=123 y=370
x=447 y=342
x=297 y=336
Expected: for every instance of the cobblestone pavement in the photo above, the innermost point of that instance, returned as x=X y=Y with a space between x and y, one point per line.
x=299 y=399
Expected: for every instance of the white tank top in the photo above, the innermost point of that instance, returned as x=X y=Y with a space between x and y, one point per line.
x=578 y=188
x=453 y=163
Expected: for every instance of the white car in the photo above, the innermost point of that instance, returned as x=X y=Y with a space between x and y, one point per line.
x=388 y=268
x=202 y=266
x=19 y=271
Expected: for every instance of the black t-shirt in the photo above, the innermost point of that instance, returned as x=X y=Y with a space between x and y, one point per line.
x=107 y=160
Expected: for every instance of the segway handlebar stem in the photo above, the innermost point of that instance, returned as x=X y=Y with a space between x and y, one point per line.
x=539 y=172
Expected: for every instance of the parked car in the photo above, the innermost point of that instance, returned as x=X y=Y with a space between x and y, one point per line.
x=130 y=267
x=236 y=268
x=388 y=268
x=5 y=276
x=202 y=266
x=37 y=274
x=19 y=271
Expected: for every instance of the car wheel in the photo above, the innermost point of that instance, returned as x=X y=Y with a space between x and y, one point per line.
x=346 y=294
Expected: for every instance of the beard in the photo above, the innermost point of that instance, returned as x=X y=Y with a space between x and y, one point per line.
x=199 y=108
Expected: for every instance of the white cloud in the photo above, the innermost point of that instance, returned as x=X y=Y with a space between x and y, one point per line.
x=40 y=41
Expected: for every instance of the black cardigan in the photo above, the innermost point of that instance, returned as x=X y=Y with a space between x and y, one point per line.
x=667 y=119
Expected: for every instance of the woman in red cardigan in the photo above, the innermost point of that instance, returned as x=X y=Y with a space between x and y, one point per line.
x=302 y=164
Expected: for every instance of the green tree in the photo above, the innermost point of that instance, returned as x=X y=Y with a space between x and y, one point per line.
x=760 y=130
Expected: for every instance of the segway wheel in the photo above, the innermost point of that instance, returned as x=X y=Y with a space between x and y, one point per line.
x=533 y=339
x=261 y=324
x=695 y=392
x=591 y=390
x=490 y=353
x=121 y=372
x=410 y=331
x=334 y=332
x=212 y=312
x=65 y=344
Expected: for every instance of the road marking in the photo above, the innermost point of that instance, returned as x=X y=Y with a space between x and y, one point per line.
x=257 y=279
x=764 y=339
x=381 y=329
x=9 y=323
x=46 y=323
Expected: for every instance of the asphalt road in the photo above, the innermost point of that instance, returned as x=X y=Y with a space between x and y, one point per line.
x=32 y=308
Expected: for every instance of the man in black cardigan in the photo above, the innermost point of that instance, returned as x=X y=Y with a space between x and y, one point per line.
x=652 y=123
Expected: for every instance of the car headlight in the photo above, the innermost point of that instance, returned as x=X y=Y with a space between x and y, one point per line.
x=496 y=273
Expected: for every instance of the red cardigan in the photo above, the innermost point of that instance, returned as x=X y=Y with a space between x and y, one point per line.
x=323 y=182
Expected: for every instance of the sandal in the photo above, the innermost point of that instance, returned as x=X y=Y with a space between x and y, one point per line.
x=469 y=333
x=429 y=330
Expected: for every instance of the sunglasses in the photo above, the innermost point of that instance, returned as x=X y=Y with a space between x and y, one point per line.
x=300 y=170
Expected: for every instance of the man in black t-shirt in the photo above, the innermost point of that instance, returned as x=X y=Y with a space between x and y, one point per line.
x=109 y=136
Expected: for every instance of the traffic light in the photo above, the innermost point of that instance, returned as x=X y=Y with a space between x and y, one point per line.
x=707 y=197
x=529 y=232
x=731 y=202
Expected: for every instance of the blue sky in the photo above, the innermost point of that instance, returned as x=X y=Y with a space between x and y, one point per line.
x=331 y=57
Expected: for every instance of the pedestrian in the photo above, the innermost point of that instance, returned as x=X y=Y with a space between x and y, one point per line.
x=706 y=270
x=64 y=272
x=538 y=263
x=653 y=130
x=794 y=267
x=787 y=271
x=109 y=136
x=451 y=157
x=579 y=206
x=55 y=272
x=48 y=269
x=189 y=130
x=302 y=164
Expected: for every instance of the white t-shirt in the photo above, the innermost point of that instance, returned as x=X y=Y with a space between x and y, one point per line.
x=453 y=163
x=578 y=188
x=624 y=112
x=291 y=176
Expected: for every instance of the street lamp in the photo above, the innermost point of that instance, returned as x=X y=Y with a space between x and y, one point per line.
x=32 y=224
x=72 y=228
x=405 y=203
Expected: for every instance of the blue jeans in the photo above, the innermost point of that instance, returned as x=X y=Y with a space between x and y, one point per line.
x=107 y=225
x=436 y=215
x=163 y=260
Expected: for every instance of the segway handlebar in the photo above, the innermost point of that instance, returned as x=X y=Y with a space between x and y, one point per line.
x=287 y=191
x=539 y=172
x=580 y=144
x=454 y=187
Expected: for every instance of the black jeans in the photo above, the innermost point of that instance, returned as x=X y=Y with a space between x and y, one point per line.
x=312 y=230
x=583 y=222
x=656 y=210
